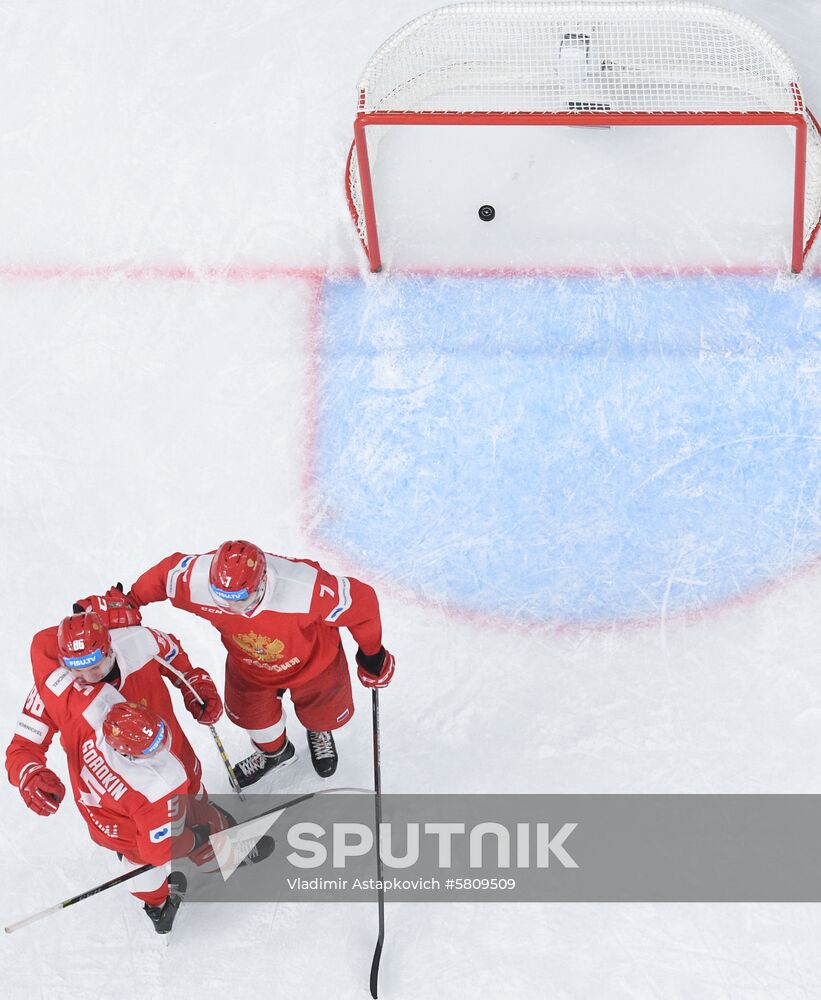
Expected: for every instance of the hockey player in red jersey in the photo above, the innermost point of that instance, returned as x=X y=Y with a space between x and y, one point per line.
x=92 y=685
x=279 y=621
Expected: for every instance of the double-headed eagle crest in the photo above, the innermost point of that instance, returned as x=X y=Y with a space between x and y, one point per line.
x=261 y=647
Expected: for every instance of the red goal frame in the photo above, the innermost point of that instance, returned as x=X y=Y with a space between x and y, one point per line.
x=797 y=120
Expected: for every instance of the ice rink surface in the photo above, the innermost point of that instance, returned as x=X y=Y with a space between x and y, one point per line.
x=590 y=503
x=615 y=451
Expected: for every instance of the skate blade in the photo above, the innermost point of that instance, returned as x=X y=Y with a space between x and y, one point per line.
x=175 y=929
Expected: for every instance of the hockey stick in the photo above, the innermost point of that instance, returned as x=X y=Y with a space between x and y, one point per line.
x=220 y=748
x=78 y=899
x=377 y=787
x=147 y=868
x=231 y=776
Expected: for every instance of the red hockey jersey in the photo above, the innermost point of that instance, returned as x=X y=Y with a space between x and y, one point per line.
x=293 y=631
x=134 y=807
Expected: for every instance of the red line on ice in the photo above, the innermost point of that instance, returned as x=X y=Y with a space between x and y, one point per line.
x=315 y=278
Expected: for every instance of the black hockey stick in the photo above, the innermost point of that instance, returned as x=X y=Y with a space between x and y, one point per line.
x=79 y=898
x=377 y=787
x=147 y=868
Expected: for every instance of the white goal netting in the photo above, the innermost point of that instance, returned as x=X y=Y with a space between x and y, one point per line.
x=630 y=57
x=550 y=57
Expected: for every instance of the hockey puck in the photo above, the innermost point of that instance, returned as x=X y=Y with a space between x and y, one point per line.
x=487 y=213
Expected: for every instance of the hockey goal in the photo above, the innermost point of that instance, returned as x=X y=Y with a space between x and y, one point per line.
x=576 y=63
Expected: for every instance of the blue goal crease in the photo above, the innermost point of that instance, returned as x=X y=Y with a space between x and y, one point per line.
x=571 y=450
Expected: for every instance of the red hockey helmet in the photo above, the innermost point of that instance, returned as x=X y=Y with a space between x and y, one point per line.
x=83 y=641
x=237 y=574
x=134 y=730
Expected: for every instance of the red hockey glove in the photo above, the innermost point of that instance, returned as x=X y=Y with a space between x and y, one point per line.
x=202 y=853
x=117 y=609
x=203 y=702
x=41 y=789
x=197 y=848
x=375 y=671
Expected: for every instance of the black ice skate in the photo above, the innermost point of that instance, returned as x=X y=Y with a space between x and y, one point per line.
x=250 y=852
x=259 y=764
x=162 y=917
x=323 y=752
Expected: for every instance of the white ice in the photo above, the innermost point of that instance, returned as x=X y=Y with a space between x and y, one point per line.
x=172 y=177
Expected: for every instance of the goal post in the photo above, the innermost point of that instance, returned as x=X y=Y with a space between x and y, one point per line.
x=577 y=63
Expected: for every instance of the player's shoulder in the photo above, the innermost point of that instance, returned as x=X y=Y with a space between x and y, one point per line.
x=293 y=559
x=167 y=645
x=147 y=781
x=45 y=641
x=137 y=645
x=179 y=568
x=291 y=584
x=44 y=656
x=292 y=568
x=188 y=584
